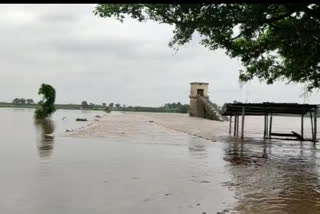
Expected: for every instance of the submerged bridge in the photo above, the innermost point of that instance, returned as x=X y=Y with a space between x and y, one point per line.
x=200 y=105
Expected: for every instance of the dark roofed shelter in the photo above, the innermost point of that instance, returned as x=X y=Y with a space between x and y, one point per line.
x=267 y=110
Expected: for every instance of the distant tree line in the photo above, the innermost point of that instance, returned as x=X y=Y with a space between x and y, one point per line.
x=22 y=101
x=168 y=107
x=86 y=105
x=92 y=106
x=177 y=107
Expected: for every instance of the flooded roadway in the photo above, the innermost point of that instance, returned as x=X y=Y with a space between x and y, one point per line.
x=148 y=168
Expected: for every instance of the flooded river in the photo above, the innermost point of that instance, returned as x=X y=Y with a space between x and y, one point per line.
x=148 y=168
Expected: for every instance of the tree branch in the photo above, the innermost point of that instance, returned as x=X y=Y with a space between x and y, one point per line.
x=312 y=12
x=234 y=38
x=277 y=18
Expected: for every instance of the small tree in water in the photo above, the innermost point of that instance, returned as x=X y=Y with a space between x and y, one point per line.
x=47 y=103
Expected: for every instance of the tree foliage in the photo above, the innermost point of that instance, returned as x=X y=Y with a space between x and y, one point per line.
x=168 y=107
x=84 y=104
x=273 y=41
x=22 y=101
x=19 y=101
x=47 y=103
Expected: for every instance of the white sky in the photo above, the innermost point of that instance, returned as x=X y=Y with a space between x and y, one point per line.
x=102 y=60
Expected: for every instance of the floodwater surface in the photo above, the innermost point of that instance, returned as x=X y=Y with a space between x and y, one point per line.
x=158 y=170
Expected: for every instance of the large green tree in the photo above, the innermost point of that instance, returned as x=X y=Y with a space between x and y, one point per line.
x=47 y=103
x=273 y=41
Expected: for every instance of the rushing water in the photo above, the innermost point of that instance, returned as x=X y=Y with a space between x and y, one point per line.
x=156 y=171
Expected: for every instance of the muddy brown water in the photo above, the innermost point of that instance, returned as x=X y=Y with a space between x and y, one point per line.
x=164 y=171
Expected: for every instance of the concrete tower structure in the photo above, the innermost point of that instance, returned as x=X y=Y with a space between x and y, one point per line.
x=197 y=89
x=200 y=105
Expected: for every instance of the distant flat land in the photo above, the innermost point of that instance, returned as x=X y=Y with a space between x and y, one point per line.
x=58 y=106
x=96 y=107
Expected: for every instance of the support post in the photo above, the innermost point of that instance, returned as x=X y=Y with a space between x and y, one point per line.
x=312 y=130
x=237 y=125
x=315 y=124
x=242 y=122
x=230 y=124
x=302 y=118
x=267 y=124
x=270 y=125
x=264 y=127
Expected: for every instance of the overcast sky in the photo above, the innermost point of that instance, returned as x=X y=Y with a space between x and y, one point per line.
x=102 y=60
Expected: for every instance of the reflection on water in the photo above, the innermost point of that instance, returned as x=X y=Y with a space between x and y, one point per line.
x=239 y=152
x=274 y=176
x=45 y=143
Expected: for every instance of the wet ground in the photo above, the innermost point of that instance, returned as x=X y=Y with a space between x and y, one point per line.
x=149 y=168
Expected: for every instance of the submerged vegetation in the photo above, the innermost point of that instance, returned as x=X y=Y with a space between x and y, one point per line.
x=46 y=107
x=81 y=119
